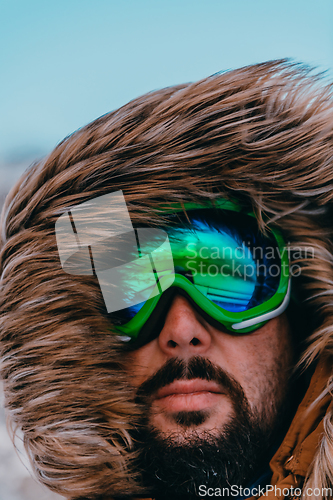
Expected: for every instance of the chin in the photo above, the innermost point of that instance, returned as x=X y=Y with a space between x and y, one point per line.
x=183 y=426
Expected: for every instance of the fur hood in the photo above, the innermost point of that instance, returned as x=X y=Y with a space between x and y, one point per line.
x=261 y=134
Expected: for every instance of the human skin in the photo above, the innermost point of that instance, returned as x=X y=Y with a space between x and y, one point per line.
x=260 y=362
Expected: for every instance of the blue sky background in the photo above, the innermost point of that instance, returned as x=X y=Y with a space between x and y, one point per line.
x=65 y=62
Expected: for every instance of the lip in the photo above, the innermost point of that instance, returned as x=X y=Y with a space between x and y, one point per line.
x=187 y=387
x=188 y=395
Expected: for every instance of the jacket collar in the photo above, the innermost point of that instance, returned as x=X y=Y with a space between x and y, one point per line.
x=293 y=459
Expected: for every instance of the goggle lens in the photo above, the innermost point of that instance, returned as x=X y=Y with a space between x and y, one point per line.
x=222 y=254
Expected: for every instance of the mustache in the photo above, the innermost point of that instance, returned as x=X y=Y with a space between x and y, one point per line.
x=195 y=367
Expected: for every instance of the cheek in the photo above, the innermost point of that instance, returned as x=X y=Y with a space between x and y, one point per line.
x=271 y=369
x=261 y=362
x=143 y=362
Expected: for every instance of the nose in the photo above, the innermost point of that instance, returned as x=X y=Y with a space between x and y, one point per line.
x=184 y=332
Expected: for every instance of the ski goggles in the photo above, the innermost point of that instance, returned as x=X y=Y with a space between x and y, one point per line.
x=213 y=254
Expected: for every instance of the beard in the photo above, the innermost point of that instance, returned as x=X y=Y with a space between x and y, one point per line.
x=174 y=465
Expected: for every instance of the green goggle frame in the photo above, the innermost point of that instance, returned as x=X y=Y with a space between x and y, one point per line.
x=237 y=323
x=97 y=238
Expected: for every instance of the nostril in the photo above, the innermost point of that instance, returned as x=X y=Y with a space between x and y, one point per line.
x=195 y=341
x=172 y=343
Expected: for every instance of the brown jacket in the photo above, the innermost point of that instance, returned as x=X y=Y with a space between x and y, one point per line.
x=293 y=459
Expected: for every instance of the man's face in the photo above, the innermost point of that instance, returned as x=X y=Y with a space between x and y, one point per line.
x=202 y=385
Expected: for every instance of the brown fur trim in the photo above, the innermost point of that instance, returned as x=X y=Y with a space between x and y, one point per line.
x=262 y=134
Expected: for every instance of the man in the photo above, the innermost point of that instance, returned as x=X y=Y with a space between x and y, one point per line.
x=149 y=342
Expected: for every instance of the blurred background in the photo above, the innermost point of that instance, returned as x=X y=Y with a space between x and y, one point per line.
x=65 y=63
